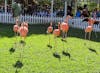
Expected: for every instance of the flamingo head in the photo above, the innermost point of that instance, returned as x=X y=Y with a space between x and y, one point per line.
x=50 y=23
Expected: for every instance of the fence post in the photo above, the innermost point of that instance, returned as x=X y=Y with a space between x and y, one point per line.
x=0 y=17
x=65 y=11
x=52 y=2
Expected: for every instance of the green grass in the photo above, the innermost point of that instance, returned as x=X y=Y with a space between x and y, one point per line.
x=38 y=58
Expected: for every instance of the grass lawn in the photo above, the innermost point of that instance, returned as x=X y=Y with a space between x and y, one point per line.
x=38 y=58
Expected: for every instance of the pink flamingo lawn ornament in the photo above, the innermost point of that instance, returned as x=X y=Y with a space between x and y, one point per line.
x=49 y=30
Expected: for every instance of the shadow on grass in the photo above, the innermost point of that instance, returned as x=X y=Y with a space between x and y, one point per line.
x=6 y=30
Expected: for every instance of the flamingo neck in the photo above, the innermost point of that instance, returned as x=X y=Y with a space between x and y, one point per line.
x=58 y=26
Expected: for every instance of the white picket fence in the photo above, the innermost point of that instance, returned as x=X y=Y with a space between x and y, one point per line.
x=75 y=22
x=7 y=18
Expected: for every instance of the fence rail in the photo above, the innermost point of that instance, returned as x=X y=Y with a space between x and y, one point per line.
x=75 y=22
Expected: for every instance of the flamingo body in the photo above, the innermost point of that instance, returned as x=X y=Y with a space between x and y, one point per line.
x=23 y=31
x=56 y=32
x=88 y=29
x=15 y=28
x=64 y=27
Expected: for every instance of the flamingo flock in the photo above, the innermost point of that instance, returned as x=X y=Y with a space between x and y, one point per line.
x=57 y=32
x=63 y=29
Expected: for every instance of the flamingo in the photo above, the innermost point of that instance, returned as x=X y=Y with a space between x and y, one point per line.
x=56 y=33
x=64 y=28
x=88 y=30
x=49 y=30
x=23 y=31
x=92 y=22
x=16 y=27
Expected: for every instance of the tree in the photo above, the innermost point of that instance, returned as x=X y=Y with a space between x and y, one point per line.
x=1 y=1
